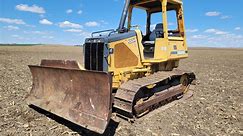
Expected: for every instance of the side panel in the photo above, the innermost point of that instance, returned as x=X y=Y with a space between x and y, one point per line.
x=170 y=49
x=177 y=49
x=125 y=57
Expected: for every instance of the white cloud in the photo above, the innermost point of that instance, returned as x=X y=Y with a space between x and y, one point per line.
x=33 y=8
x=69 y=11
x=215 y=31
x=10 y=27
x=92 y=24
x=74 y=30
x=79 y=32
x=221 y=32
x=217 y=38
x=233 y=36
x=212 y=13
x=80 y=12
x=12 y=21
x=67 y=24
x=85 y=34
x=226 y=40
x=15 y=35
x=47 y=37
x=45 y=22
x=237 y=28
x=225 y=17
x=198 y=37
x=37 y=32
x=217 y=14
x=210 y=30
x=191 y=30
x=30 y=25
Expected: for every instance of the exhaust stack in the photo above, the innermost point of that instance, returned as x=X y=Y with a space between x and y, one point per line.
x=123 y=17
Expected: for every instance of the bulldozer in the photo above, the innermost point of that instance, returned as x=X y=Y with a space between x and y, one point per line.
x=125 y=71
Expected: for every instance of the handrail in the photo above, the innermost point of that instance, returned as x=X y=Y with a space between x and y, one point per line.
x=112 y=31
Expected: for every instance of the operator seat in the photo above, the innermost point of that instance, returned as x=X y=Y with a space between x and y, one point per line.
x=156 y=33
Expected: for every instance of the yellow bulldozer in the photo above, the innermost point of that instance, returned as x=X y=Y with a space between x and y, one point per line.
x=125 y=71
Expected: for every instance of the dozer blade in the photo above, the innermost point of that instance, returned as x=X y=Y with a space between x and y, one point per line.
x=82 y=97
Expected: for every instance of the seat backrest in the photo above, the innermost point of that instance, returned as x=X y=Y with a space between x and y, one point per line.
x=157 y=32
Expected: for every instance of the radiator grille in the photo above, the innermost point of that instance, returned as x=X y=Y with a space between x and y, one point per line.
x=94 y=56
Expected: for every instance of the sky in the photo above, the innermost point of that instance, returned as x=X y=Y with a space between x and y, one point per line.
x=209 y=23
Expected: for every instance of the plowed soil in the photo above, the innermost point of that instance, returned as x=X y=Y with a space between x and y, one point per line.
x=215 y=109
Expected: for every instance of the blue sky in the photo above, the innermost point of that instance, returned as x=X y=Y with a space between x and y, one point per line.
x=210 y=23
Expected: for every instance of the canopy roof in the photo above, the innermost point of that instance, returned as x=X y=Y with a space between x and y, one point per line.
x=153 y=5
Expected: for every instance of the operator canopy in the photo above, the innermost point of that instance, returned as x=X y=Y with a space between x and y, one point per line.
x=154 y=5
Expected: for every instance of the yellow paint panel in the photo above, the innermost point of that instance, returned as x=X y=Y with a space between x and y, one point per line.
x=161 y=49
x=124 y=57
x=177 y=50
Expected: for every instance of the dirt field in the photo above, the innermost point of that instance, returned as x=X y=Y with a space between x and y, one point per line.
x=215 y=109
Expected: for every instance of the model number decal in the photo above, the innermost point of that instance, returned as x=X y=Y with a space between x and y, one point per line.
x=130 y=41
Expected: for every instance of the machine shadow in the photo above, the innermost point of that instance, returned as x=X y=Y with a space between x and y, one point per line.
x=110 y=130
